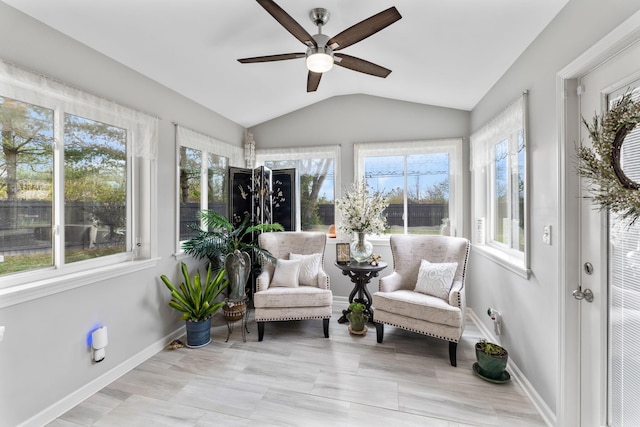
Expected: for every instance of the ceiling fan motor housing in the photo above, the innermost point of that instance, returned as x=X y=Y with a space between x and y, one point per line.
x=320 y=59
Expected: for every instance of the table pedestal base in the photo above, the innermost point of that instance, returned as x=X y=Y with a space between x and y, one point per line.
x=360 y=274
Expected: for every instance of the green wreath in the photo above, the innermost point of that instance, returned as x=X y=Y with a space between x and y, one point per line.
x=600 y=165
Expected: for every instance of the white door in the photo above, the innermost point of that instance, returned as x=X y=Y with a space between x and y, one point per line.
x=610 y=271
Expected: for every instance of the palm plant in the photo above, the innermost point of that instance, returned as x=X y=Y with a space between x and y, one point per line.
x=221 y=237
x=194 y=298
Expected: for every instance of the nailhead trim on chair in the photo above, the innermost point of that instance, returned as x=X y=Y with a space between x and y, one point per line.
x=290 y=318
x=418 y=332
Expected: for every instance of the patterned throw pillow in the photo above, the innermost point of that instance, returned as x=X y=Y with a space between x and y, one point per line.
x=436 y=279
x=286 y=273
x=309 y=268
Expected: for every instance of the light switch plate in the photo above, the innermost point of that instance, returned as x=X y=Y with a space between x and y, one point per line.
x=1 y=332
x=546 y=235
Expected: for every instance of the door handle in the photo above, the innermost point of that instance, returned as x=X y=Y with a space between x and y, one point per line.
x=586 y=295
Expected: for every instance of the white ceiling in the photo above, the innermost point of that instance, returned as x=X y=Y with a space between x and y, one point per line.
x=442 y=52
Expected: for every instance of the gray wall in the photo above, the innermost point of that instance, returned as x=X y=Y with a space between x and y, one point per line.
x=530 y=307
x=44 y=357
x=345 y=120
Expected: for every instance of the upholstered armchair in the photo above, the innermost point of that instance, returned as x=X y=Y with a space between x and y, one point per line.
x=425 y=293
x=296 y=287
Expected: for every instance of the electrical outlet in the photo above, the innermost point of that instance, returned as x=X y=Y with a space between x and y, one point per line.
x=546 y=235
x=1 y=332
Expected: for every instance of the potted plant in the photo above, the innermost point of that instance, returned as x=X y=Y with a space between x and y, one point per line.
x=196 y=300
x=358 y=318
x=220 y=238
x=491 y=361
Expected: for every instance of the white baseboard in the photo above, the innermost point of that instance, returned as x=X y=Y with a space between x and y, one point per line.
x=545 y=412
x=75 y=398
x=341 y=300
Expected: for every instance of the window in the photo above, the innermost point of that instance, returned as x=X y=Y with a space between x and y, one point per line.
x=316 y=182
x=95 y=188
x=66 y=179
x=203 y=163
x=421 y=179
x=498 y=165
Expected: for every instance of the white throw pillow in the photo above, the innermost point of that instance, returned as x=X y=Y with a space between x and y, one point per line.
x=436 y=279
x=309 y=268
x=286 y=273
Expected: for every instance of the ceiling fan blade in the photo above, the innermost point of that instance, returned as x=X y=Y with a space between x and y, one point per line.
x=364 y=29
x=313 y=80
x=288 y=22
x=357 y=64
x=270 y=58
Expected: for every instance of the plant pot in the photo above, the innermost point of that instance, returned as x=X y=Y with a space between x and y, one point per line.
x=357 y=321
x=238 y=267
x=491 y=366
x=234 y=311
x=198 y=333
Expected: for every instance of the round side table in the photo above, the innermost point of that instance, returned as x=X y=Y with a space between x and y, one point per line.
x=360 y=273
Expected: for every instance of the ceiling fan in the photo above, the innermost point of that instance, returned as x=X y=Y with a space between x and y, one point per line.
x=320 y=55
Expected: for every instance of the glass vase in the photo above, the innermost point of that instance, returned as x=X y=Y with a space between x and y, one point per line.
x=361 y=248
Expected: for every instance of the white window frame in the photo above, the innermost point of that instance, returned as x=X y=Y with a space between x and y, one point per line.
x=451 y=146
x=506 y=126
x=142 y=134
x=303 y=153
x=206 y=144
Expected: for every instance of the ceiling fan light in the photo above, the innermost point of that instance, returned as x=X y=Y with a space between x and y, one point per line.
x=319 y=62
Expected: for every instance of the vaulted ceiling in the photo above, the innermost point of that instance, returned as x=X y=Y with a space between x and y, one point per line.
x=442 y=52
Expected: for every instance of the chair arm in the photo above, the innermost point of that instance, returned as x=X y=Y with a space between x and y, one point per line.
x=262 y=281
x=457 y=295
x=323 y=280
x=390 y=283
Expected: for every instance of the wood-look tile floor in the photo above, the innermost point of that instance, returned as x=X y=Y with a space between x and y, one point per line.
x=296 y=377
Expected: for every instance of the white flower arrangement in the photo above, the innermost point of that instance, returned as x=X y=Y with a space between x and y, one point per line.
x=361 y=210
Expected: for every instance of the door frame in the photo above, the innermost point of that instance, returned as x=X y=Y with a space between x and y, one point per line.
x=568 y=120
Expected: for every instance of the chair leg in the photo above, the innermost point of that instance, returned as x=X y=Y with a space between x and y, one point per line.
x=325 y=327
x=260 y=330
x=452 y=353
x=379 y=331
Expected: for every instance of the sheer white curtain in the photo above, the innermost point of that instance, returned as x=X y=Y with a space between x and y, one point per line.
x=505 y=126
x=193 y=139
x=298 y=153
x=28 y=86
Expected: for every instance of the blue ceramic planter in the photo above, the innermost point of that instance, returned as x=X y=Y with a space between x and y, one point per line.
x=198 y=333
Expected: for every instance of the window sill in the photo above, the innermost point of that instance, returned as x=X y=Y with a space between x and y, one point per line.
x=511 y=263
x=42 y=288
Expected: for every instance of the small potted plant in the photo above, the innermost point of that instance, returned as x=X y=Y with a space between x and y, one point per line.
x=358 y=318
x=491 y=361
x=196 y=300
